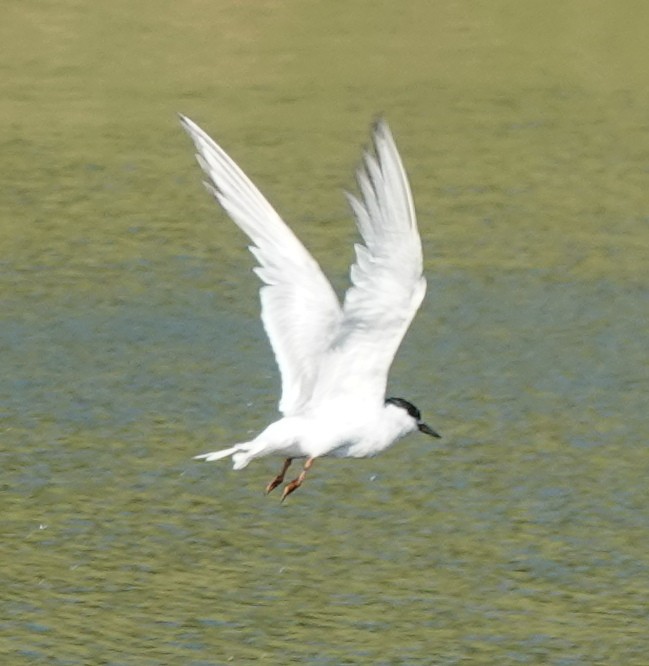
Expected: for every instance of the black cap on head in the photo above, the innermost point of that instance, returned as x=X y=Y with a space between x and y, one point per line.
x=415 y=413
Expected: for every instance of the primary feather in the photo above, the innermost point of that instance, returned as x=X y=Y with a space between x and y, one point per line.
x=300 y=310
x=387 y=282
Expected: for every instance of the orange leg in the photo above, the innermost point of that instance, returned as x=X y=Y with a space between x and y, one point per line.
x=296 y=483
x=280 y=477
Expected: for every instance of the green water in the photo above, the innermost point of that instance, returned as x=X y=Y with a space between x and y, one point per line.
x=130 y=339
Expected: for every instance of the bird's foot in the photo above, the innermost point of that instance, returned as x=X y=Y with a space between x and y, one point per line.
x=279 y=478
x=291 y=486
x=296 y=483
x=274 y=483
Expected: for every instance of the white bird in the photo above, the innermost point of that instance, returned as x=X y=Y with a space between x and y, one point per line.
x=333 y=360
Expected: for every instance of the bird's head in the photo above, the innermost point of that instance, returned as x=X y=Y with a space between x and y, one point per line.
x=414 y=414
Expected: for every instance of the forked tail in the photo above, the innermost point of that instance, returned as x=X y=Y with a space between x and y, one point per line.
x=239 y=453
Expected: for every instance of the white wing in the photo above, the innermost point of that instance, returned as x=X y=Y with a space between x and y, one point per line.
x=387 y=282
x=300 y=311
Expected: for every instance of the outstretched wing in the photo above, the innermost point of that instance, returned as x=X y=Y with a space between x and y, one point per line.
x=300 y=310
x=387 y=281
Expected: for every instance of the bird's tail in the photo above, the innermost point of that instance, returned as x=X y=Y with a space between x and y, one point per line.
x=239 y=453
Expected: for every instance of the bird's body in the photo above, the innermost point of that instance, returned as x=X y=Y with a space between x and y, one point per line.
x=334 y=360
x=332 y=430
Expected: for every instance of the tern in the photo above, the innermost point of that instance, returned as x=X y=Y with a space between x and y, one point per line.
x=333 y=360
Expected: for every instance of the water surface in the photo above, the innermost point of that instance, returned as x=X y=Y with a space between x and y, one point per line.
x=130 y=339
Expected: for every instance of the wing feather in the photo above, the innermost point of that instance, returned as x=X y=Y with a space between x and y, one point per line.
x=387 y=280
x=300 y=310
x=324 y=352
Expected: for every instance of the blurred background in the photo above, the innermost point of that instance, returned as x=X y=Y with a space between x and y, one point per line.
x=130 y=338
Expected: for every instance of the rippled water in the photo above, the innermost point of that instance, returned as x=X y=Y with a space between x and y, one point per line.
x=523 y=527
x=130 y=341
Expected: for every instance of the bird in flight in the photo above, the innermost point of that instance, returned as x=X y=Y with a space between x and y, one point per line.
x=333 y=360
